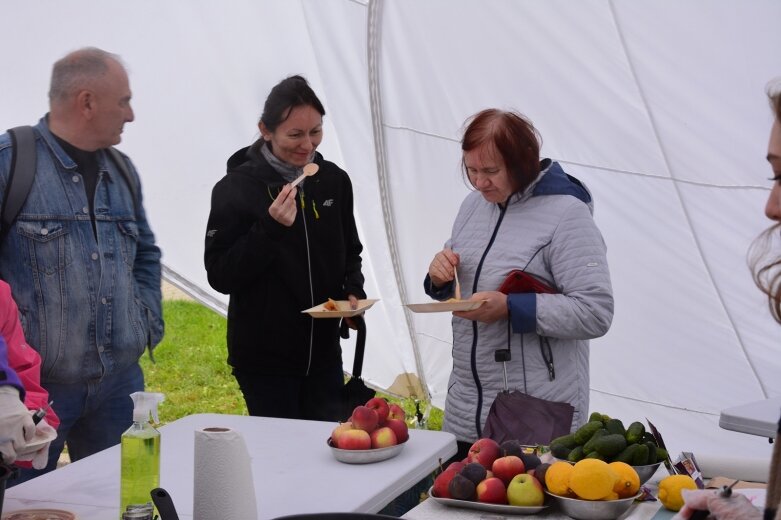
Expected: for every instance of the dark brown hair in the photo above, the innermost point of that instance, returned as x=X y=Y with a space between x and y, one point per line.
x=514 y=137
x=291 y=92
x=766 y=265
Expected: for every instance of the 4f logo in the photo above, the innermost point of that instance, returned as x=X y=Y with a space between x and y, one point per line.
x=328 y=203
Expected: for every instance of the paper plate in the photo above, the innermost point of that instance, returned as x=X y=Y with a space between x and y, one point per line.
x=365 y=456
x=462 y=305
x=319 y=311
x=40 y=514
x=39 y=440
x=482 y=506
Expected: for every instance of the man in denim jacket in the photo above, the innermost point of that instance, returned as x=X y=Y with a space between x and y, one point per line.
x=81 y=258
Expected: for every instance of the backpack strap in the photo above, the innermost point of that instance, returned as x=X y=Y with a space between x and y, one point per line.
x=20 y=177
x=120 y=162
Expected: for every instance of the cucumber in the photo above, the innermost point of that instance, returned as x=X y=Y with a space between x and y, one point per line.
x=635 y=432
x=595 y=416
x=560 y=451
x=589 y=446
x=640 y=455
x=651 y=452
x=585 y=432
x=615 y=426
x=661 y=454
x=595 y=455
x=610 y=445
x=628 y=454
x=568 y=441
x=576 y=454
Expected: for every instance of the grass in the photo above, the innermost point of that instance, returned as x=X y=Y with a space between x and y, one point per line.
x=191 y=370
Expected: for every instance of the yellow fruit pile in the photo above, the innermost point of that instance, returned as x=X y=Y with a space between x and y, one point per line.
x=670 y=490
x=592 y=479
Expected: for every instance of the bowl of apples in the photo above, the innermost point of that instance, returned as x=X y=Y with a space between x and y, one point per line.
x=499 y=478
x=374 y=432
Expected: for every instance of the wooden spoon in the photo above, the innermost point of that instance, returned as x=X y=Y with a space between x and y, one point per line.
x=458 y=285
x=309 y=170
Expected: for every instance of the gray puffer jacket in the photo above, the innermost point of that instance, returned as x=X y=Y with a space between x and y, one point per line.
x=547 y=231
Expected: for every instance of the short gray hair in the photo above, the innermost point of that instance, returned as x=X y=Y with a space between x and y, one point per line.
x=77 y=70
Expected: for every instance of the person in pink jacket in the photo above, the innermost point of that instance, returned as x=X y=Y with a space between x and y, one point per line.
x=25 y=362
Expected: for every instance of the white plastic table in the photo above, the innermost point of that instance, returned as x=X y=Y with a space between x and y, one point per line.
x=293 y=470
x=757 y=418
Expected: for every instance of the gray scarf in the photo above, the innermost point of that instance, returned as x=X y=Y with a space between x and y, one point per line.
x=287 y=171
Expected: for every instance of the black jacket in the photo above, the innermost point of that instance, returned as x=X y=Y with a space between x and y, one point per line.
x=273 y=272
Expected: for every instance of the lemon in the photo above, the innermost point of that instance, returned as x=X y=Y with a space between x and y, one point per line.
x=628 y=483
x=592 y=479
x=557 y=478
x=670 y=490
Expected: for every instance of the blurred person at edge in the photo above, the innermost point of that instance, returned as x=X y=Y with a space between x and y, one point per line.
x=81 y=258
x=277 y=250
x=20 y=390
x=524 y=213
x=766 y=269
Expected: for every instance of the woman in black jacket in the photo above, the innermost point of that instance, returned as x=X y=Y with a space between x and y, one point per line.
x=277 y=250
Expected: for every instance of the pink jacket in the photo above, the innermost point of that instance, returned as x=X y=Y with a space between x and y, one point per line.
x=22 y=358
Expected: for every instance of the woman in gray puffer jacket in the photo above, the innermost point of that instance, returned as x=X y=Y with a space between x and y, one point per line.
x=524 y=214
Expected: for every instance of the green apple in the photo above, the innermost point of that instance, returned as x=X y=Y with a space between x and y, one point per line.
x=525 y=490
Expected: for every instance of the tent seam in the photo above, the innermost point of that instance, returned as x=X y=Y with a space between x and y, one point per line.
x=684 y=209
x=375 y=103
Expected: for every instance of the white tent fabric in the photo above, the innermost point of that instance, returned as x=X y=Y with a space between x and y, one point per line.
x=658 y=106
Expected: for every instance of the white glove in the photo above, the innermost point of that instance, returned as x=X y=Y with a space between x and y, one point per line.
x=735 y=507
x=40 y=457
x=16 y=423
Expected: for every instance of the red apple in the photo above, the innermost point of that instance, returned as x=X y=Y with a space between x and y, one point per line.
x=505 y=468
x=525 y=490
x=354 y=440
x=485 y=451
x=399 y=427
x=365 y=419
x=381 y=406
x=383 y=437
x=396 y=412
x=456 y=466
x=442 y=481
x=492 y=491
x=341 y=428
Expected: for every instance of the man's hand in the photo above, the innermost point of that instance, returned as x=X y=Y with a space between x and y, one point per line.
x=284 y=209
x=16 y=423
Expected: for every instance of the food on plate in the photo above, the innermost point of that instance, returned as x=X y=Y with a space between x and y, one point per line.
x=525 y=490
x=503 y=481
x=330 y=305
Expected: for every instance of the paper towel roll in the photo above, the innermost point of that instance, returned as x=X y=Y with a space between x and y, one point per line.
x=751 y=469
x=223 y=485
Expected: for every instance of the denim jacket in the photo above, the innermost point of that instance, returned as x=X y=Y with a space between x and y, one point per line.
x=89 y=306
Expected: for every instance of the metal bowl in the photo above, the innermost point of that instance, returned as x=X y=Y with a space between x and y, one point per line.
x=594 y=509
x=646 y=472
x=365 y=456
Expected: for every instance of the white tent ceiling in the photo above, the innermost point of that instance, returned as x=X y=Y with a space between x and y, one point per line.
x=658 y=106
